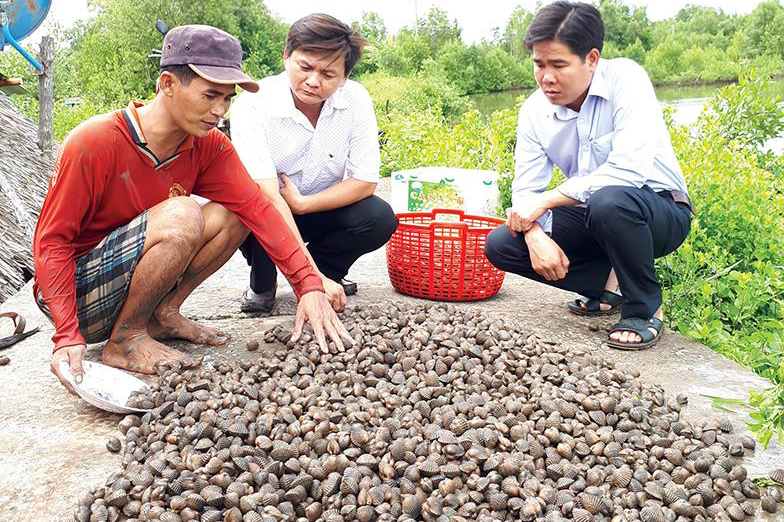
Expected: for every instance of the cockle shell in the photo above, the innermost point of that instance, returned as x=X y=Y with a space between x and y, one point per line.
x=437 y=413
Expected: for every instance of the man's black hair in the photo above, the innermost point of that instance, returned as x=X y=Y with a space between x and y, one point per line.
x=184 y=73
x=576 y=24
x=324 y=34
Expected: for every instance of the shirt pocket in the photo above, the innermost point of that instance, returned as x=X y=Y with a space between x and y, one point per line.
x=601 y=146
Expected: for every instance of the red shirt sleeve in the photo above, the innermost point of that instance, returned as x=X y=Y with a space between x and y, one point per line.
x=74 y=184
x=223 y=179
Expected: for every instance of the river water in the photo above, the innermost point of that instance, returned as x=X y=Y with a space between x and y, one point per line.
x=688 y=102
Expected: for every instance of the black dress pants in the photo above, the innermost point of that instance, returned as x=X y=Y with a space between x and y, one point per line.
x=621 y=227
x=336 y=239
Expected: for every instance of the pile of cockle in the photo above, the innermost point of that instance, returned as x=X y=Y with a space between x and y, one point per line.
x=437 y=414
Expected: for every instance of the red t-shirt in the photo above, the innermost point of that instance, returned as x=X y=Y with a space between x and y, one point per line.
x=105 y=176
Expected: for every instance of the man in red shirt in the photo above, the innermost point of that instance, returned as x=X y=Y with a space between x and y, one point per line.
x=119 y=245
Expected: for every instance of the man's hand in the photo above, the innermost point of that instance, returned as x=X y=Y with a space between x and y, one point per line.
x=515 y=223
x=522 y=221
x=535 y=207
x=291 y=195
x=73 y=356
x=315 y=308
x=335 y=293
x=527 y=219
x=547 y=258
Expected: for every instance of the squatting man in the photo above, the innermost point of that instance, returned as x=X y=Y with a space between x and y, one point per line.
x=624 y=201
x=310 y=139
x=119 y=245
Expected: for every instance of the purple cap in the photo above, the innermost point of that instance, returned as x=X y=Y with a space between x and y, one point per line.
x=213 y=54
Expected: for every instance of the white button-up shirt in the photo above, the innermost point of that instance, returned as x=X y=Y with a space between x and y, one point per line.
x=618 y=138
x=272 y=136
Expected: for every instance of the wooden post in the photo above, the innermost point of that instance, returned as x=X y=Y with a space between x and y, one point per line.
x=46 y=97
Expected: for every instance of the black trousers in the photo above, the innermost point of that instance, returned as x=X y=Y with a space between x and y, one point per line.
x=336 y=239
x=621 y=227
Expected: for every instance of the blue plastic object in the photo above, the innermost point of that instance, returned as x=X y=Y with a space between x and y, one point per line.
x=18 y=19
x=10 y=39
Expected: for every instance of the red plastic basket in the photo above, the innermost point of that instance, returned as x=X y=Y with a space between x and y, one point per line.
x=443 y=260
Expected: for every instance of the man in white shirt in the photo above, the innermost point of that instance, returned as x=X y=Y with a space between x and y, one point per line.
x=310 y=139
x=624 y=201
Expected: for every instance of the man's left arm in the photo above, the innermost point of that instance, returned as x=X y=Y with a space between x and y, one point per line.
x=362 y=166
x=225 y=181
x=340 y=195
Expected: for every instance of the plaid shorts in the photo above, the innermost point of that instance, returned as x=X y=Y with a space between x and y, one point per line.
x=103 y=277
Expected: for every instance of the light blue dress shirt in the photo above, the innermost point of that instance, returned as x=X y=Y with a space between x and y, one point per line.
x=618 y=138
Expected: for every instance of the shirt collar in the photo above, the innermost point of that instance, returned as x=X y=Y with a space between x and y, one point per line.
x=564 y=113
x=599 y=83
x=598 y=88
x=137 y=133
x=131 y=117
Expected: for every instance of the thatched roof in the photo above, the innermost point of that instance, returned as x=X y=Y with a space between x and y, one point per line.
x=24 y=175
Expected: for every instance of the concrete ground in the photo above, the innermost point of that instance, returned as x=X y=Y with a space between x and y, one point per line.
x=52 y=445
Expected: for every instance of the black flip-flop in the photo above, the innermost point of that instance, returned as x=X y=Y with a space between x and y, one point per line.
x=592 y=307
x=642 y=328
x=19 y=333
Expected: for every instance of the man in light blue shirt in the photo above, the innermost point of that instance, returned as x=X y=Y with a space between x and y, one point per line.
x=624 y=201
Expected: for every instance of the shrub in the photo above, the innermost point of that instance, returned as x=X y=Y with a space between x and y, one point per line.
x=724 y=286
x=403 y=54
x=482 y=68
x=427 y=138
x=743 y=113
x=426 y=92
x=663 y=61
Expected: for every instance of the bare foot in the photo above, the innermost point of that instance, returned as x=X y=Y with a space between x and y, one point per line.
x=141 y=353
x=172 y=325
